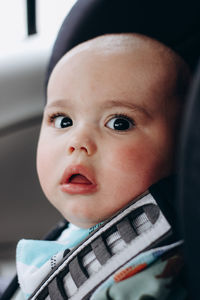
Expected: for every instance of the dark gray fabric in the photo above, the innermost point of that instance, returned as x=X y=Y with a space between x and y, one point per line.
x=76 y=272
x=100 y=250
x=126 y=231
x=54 y=291
x=152 y=212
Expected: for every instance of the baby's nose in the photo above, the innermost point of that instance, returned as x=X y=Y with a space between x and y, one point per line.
x=86 y=145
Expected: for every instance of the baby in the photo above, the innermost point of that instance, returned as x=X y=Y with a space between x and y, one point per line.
x=110 y=125
x=108 y=133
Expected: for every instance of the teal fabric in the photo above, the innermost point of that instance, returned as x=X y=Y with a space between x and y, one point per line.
x=36 y=258
x=156 y=282
x=37 y=253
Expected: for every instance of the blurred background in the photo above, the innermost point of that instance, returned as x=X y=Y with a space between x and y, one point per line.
x=27 y=32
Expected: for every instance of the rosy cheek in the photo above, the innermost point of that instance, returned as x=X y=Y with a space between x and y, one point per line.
x=136 y=163
x=128 y=157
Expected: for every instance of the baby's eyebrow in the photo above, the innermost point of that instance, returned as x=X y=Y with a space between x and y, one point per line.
x=57 y=103
x=63 y=103
x=126 y=104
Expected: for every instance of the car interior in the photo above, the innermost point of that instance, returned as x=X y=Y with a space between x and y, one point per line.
x=23 y=61
x=25 y=213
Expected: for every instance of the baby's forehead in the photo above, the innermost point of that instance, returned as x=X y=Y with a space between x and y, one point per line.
x=149 y=64
x=123 y=44
x=130 y=50
x=134 y=47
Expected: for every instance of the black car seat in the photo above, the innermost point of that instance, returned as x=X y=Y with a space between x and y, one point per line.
x=176 y=24
x=188 y=185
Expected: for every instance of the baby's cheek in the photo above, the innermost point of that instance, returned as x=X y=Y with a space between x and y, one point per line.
x=43 y=163
x=127 y=157
x=135 y=163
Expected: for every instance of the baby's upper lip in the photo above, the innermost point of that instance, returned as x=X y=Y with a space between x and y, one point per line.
x=78 y=170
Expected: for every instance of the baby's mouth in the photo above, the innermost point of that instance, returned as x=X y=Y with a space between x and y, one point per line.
x=79 y=179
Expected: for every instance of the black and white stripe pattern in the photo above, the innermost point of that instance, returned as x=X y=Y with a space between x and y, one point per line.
x=116 y=242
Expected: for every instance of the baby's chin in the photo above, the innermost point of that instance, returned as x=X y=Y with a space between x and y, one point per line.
x=84 y=224
x=86 y=221
x=84 y=213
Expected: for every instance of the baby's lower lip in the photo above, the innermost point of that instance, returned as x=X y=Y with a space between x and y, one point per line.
x=78 y=188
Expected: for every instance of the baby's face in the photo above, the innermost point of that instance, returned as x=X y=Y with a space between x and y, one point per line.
x=105 y=136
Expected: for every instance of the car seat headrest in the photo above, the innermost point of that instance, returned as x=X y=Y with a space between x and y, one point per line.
x=174 y=23
x=188 y=187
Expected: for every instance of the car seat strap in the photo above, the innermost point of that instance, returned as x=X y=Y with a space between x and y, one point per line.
x=133 y=230
x=77 y=272
x=55 y=290
x=100 y=250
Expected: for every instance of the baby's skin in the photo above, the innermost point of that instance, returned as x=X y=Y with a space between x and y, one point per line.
x=110 y=125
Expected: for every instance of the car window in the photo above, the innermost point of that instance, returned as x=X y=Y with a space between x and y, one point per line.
x=13 y=19
x=23 y=62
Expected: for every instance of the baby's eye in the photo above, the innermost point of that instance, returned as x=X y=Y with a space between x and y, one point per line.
x=121 y=123
x=62 y=121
